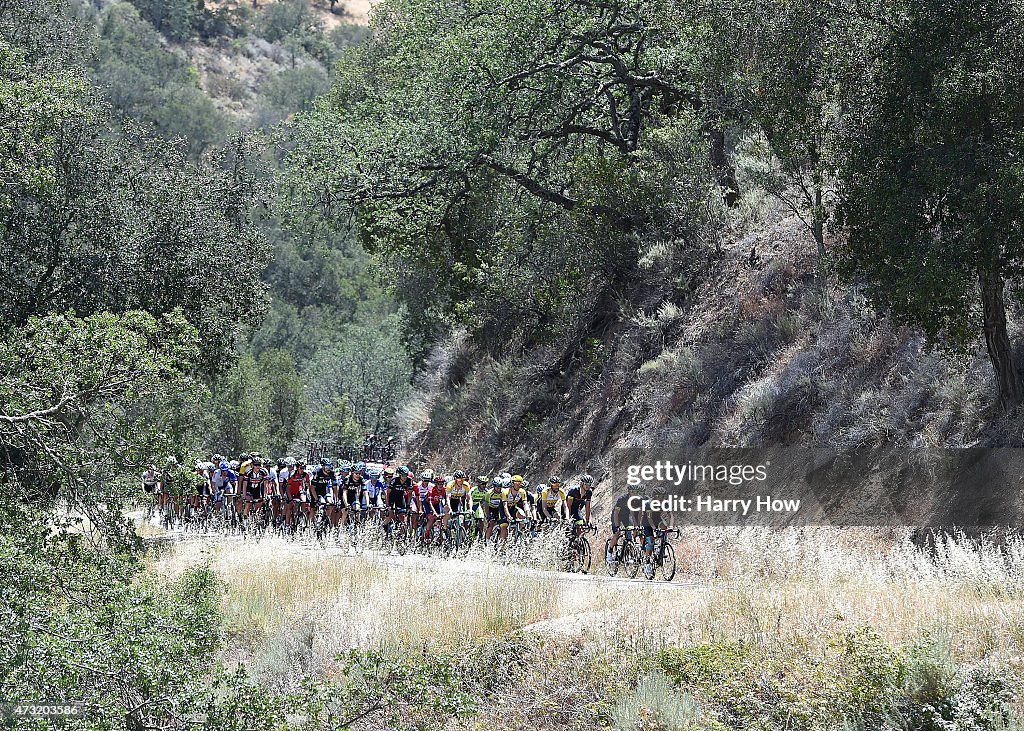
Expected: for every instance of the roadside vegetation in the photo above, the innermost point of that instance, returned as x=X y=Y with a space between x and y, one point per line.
x=522 y=231
x=820 y=629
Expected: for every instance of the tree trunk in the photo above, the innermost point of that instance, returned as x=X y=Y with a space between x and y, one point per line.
x=720 y=162
x=997 y=340
x=818 y=208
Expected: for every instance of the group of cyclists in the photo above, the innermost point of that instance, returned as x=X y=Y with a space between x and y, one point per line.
x=288 y=494
x=293 y=489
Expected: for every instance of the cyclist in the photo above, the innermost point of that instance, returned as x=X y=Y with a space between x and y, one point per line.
x=150 y=479
x=297 y=486
x=478 y=503
x=496 y=508
x=578 y=502
x=373 y=490
x=459 y=498
x=553 y=500
x=435 y=501
x=397 y=497
x=171 y=488
x=515 y=501
x=651 y=522
x=256 y=486
x=322 y=487
x=419 y=496
x=531 y=500
x=225 y=482
x=352 y=493
x=625 y=519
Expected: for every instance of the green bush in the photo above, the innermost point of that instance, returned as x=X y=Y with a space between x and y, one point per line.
x=858 y=681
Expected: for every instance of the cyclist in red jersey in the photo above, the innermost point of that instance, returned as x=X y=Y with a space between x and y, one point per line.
x=298 y=489
x=436 y=498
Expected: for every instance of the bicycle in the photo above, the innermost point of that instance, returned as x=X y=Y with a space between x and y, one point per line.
x=663 y=556
x=626 y=555
x=576 y=552
x=461 y=530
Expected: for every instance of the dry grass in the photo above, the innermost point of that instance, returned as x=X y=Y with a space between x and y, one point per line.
x=282 y=596
x=290 y=609
x=788 y=586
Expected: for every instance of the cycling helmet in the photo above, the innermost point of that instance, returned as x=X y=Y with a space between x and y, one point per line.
x=540 y=488
x=244 y=456
x=389 y=471
x=373 y=474
x=427 y=475
x=587 y=479
x=517 y=478
x=223 y=466
x=555 y=480
x=482 y=479
x=290 y=462
x=506 y=476
x=460 y=475
x=438 y=479
x=403 y=470
x=344 y=470
x=496 y=482
x=233 y=464
x=328 y=464
x=526 y=485
x=506 y=482
x=280 y=462
x=361 y=467
x=258 y=461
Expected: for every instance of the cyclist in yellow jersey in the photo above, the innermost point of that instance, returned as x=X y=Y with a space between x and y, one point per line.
x=457 y=494
x=515 y=502
x=552 y=500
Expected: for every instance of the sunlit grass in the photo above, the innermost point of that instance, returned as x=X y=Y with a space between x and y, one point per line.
x=289 y=608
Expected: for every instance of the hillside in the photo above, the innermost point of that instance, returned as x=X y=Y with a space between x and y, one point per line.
x=747 y=351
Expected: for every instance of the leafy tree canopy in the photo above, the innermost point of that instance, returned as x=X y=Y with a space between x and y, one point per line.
x=497 y=154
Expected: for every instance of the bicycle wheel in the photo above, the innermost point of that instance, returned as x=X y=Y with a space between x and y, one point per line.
x=667 y=569
x=358 y=543
x=459 y=538
x=631 y=560
x=611 y=559
x=648 y=566
x=585 y=557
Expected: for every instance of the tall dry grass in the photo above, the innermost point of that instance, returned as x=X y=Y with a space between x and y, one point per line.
x=290 y=609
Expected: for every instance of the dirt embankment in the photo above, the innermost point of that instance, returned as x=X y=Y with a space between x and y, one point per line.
x=751 y=352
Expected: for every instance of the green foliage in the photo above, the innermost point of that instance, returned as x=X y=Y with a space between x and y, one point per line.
x=793 y=63
x=292 y=90
x=180 y=20
x=364 y=373
x=85 y=624
x=389 y=689
x=102 y=223
x=286 y=398
x=295 y=25
x=495 y=155
x=860 y=681
x=933 y=178
x=242 y=409
x=87 y=403
x=151 y=84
